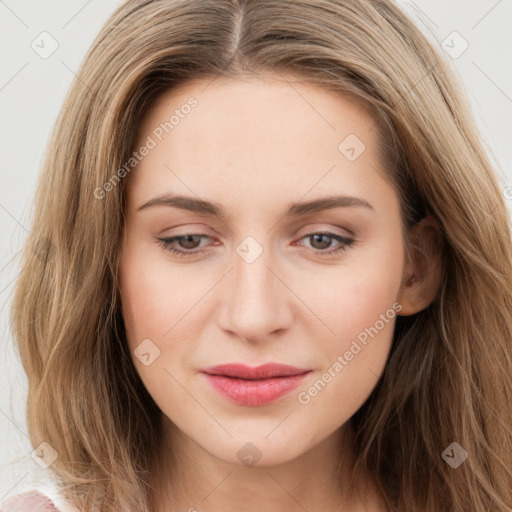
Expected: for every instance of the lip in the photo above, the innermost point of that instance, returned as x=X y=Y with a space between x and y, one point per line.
x=254 y=386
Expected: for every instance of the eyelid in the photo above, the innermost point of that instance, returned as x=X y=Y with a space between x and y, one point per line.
x=195 y=228
x=321 y=228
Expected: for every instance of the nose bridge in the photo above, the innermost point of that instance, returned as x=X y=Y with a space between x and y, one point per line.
x=254 y=304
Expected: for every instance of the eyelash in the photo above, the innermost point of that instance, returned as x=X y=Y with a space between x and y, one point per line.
x=166 y=243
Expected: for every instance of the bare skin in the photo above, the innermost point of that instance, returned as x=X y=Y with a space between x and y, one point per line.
x=257 y=146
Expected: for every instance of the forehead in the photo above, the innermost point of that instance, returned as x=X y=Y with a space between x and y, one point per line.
x=266 y=134
x=269 y=104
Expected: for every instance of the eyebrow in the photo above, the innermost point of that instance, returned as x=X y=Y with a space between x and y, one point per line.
x=201 y=206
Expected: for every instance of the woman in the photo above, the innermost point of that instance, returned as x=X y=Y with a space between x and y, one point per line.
x=273 y=270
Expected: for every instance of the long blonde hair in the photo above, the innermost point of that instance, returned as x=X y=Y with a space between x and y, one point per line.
x=449 y=374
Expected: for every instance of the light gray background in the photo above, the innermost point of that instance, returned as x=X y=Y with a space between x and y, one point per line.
x=32 y=90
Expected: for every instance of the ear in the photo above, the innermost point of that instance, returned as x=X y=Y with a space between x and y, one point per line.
x=422 y=273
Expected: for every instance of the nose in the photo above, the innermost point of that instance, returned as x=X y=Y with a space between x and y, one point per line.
x=255 y=302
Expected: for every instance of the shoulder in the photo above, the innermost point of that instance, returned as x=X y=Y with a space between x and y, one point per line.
x=29 y=501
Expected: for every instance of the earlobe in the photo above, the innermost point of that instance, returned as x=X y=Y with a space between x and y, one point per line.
x=422 y=274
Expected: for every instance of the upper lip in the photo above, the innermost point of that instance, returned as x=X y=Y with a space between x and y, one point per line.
x=265 y=371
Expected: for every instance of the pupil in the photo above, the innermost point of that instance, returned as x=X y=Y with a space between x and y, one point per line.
x=189 y=239
x=326 y=244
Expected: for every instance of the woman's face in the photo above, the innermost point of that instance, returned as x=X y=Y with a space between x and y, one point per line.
x=292 y=255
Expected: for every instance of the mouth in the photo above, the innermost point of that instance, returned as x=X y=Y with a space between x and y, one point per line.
x=254 y=386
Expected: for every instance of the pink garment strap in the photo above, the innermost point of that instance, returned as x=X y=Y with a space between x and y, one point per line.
x=31 y=501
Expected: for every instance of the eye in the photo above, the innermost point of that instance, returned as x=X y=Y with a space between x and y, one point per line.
x=324 y=239
x=189 y=243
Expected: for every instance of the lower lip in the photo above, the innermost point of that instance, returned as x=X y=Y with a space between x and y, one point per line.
x=254 y=392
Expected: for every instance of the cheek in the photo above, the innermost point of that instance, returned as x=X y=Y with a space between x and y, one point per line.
x=353 y=361
x=353 y=295
x=358 y=302
x=156 y=308
x=156 y=295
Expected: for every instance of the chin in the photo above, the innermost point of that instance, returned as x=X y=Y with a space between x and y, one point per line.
x=259 y=450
